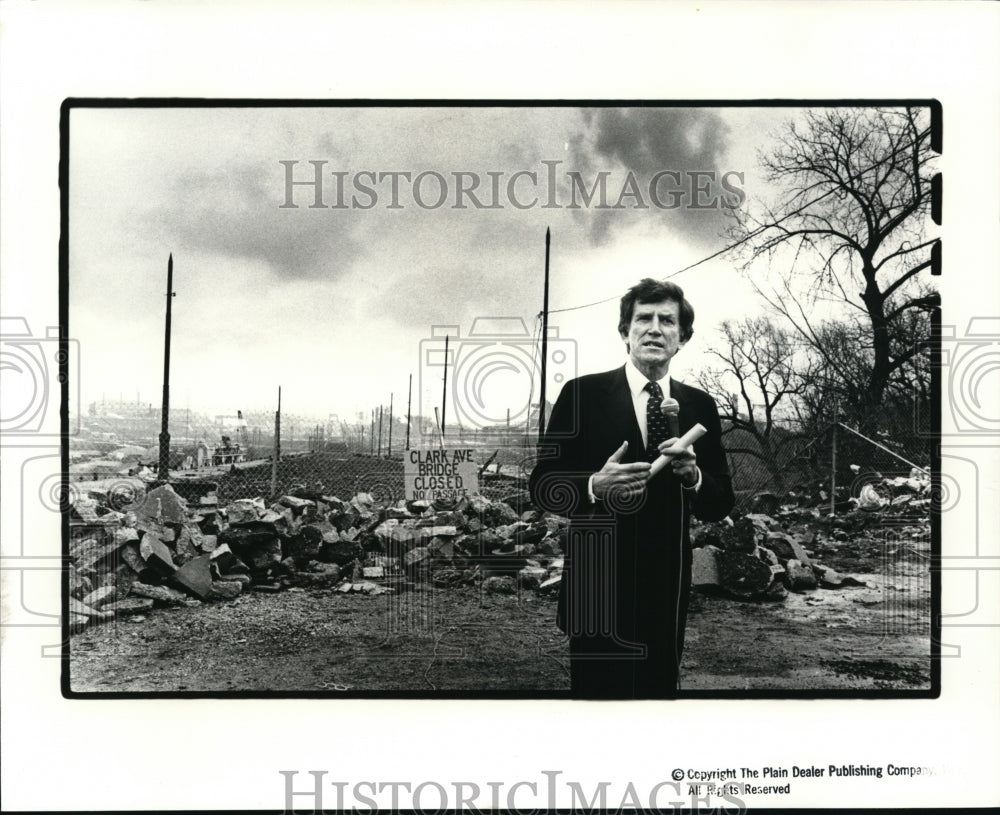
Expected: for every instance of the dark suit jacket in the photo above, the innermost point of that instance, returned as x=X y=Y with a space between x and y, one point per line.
x=627 y=574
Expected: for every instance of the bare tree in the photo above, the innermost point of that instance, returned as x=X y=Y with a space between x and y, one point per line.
x=852 y=230
x=759 y=360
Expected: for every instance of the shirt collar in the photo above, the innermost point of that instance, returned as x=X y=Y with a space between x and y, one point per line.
x=637 y=380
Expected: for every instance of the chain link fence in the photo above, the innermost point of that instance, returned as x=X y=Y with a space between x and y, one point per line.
x=234 y=455
x=120 y=451
x=807 y=461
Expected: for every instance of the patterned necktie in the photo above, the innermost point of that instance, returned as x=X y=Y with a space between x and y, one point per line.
x=657 y=430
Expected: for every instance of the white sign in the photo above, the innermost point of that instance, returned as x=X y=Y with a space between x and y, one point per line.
x=440 y=473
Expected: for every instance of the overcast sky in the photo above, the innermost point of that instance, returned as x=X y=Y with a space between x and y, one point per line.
x=339 y=305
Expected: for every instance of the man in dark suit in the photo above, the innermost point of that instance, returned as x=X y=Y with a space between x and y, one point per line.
x=624 y=595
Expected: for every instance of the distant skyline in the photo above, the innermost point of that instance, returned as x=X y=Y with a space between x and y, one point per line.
x=202 y=422
x=423 y=222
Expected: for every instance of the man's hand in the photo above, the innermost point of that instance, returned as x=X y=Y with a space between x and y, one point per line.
x=622 y=479
x=682 y=462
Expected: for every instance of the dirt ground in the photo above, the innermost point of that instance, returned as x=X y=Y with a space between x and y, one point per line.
x=434 y=641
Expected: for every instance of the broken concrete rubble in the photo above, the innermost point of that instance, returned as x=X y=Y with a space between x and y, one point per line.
x=78 y=607
x=225 y=589
x=162 y=505
x=99 y=597
x=416 y=555
x=157 y=555
x=782 y=534
x=184 y=549
x=127 y=562
x=744 y=576
x=500 y=585
x=195 y=577
x=130 y=605
x=705 y=567
x=784 y=546
x=799 y=576
x=165 y=550
x=226 y=562
x=532 y=577
x=162 y=595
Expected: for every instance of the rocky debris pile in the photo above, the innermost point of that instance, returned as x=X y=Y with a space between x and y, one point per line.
x=158 y=551
x=782 y=531
x=472 y=540
x=899 y=496
x=756 y=558
x=771 y=550
x=164 y=551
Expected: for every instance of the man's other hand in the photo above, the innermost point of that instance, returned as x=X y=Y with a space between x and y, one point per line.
x=682 y=461
x=622 y=479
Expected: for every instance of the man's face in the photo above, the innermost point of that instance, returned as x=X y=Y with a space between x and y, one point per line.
x=654 y=334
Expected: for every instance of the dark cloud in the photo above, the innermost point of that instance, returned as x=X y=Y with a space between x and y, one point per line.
x=649 y=139
x=691 y=142
x=479 y=275
x=235 y=212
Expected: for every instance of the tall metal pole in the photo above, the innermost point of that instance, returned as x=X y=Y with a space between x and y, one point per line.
x=164 y=465
x=409 y=399
x=380 y=431
x=545 y=342
x=390 y=425
x=444 y=386
x=371 y=436
x=438 y=420
x=276 y=453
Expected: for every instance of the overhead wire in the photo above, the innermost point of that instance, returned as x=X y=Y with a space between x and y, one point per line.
x=749 y=236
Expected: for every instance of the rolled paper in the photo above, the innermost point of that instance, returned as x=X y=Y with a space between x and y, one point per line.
x=678 y=446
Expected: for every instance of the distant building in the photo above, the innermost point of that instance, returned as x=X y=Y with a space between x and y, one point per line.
x=334 y=427
x=227 y=453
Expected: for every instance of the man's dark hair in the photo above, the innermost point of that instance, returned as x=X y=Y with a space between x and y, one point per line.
x=649 y=290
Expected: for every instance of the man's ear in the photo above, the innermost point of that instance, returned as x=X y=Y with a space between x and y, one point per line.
x=624 y=336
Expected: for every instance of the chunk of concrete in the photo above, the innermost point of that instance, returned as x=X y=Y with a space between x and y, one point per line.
x=799 y=576
x=130 y=605
x=99 y=597
x=161 y=595
x=225 y=590
x=705 y=567
x=195 y=577
x=157 y=555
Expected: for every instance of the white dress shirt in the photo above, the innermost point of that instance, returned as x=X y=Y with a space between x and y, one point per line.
x=640 y=396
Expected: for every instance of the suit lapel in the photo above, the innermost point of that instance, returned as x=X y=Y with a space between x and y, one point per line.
x=686 y=417
x=619 y=416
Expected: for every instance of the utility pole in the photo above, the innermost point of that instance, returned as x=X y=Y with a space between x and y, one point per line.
x=390 y=425
x=409 y=400
x=164 y=467
x=444 y=387
x=380 y=431
x=545 y=343
x=440 y=434
x=276 y=452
